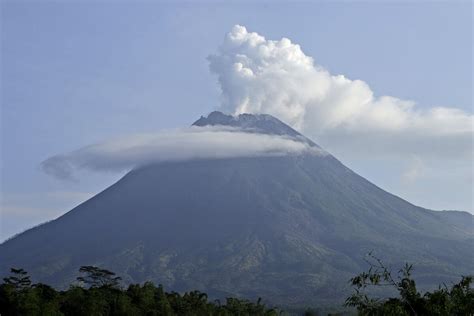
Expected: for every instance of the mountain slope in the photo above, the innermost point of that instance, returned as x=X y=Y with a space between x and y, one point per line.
x=291 y=229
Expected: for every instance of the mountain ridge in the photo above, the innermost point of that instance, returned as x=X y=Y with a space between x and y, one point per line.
x=291 y=229
x=257 y=123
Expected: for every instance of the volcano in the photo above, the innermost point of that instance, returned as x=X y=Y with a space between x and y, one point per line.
x=291 y=229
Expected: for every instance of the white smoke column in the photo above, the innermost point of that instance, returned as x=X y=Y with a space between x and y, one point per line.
x=257 y=75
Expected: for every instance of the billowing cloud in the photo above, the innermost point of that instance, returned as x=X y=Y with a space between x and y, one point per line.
x=257 y=75
x=176 y=145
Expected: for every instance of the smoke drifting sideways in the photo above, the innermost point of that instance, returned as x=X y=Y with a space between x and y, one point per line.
x=276 y=77
x=134 y=151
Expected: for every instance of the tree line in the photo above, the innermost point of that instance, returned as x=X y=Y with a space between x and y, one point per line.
x=98 y=292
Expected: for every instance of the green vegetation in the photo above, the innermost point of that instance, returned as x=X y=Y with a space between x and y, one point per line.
x=98 y=292
x=457 y=300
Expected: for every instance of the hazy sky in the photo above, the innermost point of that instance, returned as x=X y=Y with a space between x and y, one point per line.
x=85 y=72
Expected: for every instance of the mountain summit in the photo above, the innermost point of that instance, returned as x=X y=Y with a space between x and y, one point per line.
x=292 y=229
x=258 y=123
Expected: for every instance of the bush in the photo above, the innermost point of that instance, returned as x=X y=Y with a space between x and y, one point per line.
x=457 y=300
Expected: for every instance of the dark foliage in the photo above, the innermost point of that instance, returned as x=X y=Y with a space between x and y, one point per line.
x=99 y=293
x=19 y=279
x=457 y=300
x=96 y=277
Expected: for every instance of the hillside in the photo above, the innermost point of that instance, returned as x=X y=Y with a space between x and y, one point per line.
x=291 y=229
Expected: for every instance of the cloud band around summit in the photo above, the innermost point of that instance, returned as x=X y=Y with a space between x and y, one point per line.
x=123 y=154
x=257 y=75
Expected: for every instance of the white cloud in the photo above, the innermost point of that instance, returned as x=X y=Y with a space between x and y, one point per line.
x=257 y=75
x=183 y=144
x=380 y=135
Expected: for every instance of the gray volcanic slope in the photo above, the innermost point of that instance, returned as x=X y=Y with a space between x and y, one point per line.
x=290 y=229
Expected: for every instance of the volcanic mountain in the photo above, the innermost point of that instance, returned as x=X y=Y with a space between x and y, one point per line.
x=292 y=229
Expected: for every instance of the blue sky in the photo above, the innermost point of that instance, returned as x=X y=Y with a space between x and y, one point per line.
x=82 y=72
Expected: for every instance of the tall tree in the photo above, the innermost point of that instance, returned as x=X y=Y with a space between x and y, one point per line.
x=95 y=277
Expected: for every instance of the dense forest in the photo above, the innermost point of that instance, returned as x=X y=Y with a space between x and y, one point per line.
x=99 y=292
